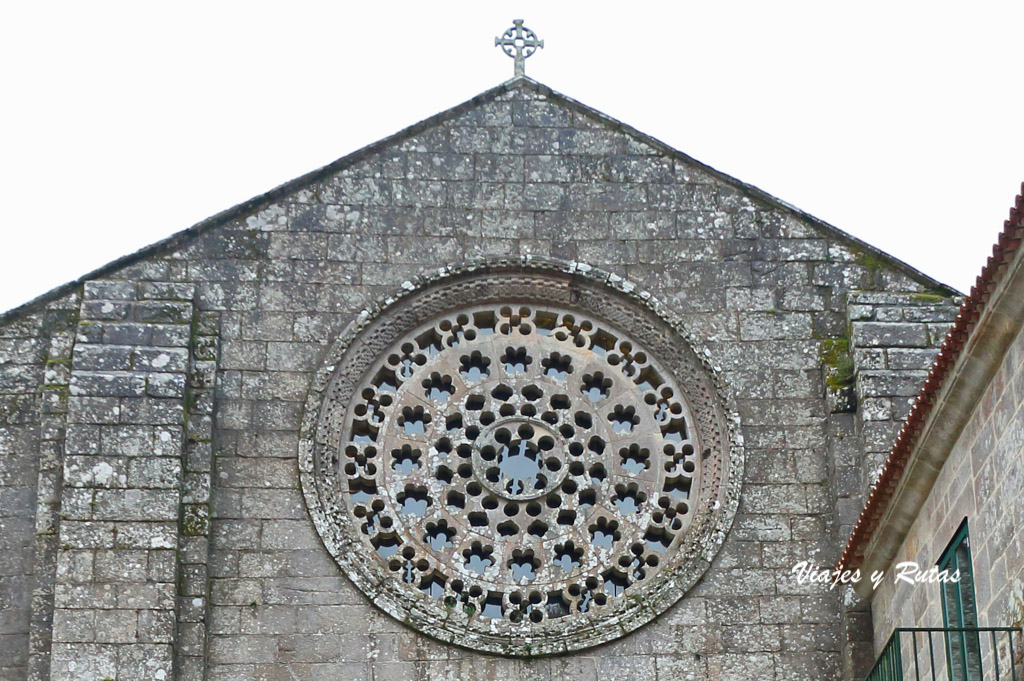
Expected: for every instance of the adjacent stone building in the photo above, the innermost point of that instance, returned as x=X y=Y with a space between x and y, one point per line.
x=518 y=393
x=950 y=493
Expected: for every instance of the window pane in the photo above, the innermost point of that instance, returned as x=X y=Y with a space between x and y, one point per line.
x=963 y=649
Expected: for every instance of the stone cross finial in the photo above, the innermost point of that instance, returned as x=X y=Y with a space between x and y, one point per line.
x=519 y=43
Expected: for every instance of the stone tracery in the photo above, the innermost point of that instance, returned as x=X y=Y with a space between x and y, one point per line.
x=484 y=474
x=520 y=474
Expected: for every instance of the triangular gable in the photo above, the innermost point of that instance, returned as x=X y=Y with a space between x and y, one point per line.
x=254 y=204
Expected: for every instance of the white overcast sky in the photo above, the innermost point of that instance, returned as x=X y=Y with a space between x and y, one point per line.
x=124 y=122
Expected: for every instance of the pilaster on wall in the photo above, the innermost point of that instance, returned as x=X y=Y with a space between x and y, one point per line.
x=124 y=467
x=845 y=453
x=35 y=351
x=894 y=338
x=52 y=433
x=193 y=588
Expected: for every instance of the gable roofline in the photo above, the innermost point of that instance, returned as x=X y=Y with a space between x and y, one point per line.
x=988 y=321
x=179 y=238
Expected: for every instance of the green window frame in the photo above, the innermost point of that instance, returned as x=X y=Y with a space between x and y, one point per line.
x=959 y=609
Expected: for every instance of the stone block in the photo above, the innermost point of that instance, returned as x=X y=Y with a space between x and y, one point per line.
x=93 y=471
x=774 y=499
x=74 y=626
x=167 y=291
x=107 y=384
x=932 y=313
x=900 y=359
x=876 y=409
x=102 y=358
x=99 y=289
x=136 y=504
x=94 y=410
x=100 y=310
x=273 y=503
x=243 y=649
x=154 y=472
x=882 y=334
x=190 y=639
x=165 y=385
x=287 y=297
x=163 y=312
x=149 y=595
x=83 y=662
x=269 y=619
x=85 y=596
x=156 y=626
x=889 y=383
x=878 y=436
x=75 y=566
x=869 y=359
x=157 y=360
x=145 y=662
x=774 y=326
x=116 y=626
x=299 y=246
x=634 y=667
x=288 y=535
x=152 y=411
x=162 y=565
x=259 y=473
x=292 y=356
x=75 y=534
x=761 y=528
x=751 y=638
x=225 y=620
x=888 y=314
x=365 y=191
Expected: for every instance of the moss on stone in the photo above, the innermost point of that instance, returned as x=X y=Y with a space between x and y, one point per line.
x=869 y=261
x=835 y=356
x=195 y=520
x=931 y=298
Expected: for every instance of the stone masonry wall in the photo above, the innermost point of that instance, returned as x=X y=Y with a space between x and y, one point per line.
x=192 y=364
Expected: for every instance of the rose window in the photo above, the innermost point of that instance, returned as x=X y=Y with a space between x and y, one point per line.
x=520 y=475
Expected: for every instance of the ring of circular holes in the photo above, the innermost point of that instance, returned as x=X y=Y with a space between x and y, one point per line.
x=522 y=464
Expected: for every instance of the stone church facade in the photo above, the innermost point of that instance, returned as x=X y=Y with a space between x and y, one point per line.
x=518 y=393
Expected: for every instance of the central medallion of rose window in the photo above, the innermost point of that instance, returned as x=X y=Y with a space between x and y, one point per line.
x=515 y=475
x=518 y=459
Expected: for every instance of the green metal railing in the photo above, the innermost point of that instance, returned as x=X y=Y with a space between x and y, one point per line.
x=951 y=654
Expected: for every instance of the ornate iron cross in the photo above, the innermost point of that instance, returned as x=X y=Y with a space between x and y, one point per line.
x=519 y=43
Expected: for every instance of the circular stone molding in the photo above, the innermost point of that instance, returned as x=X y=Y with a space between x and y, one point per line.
x=520 y=457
